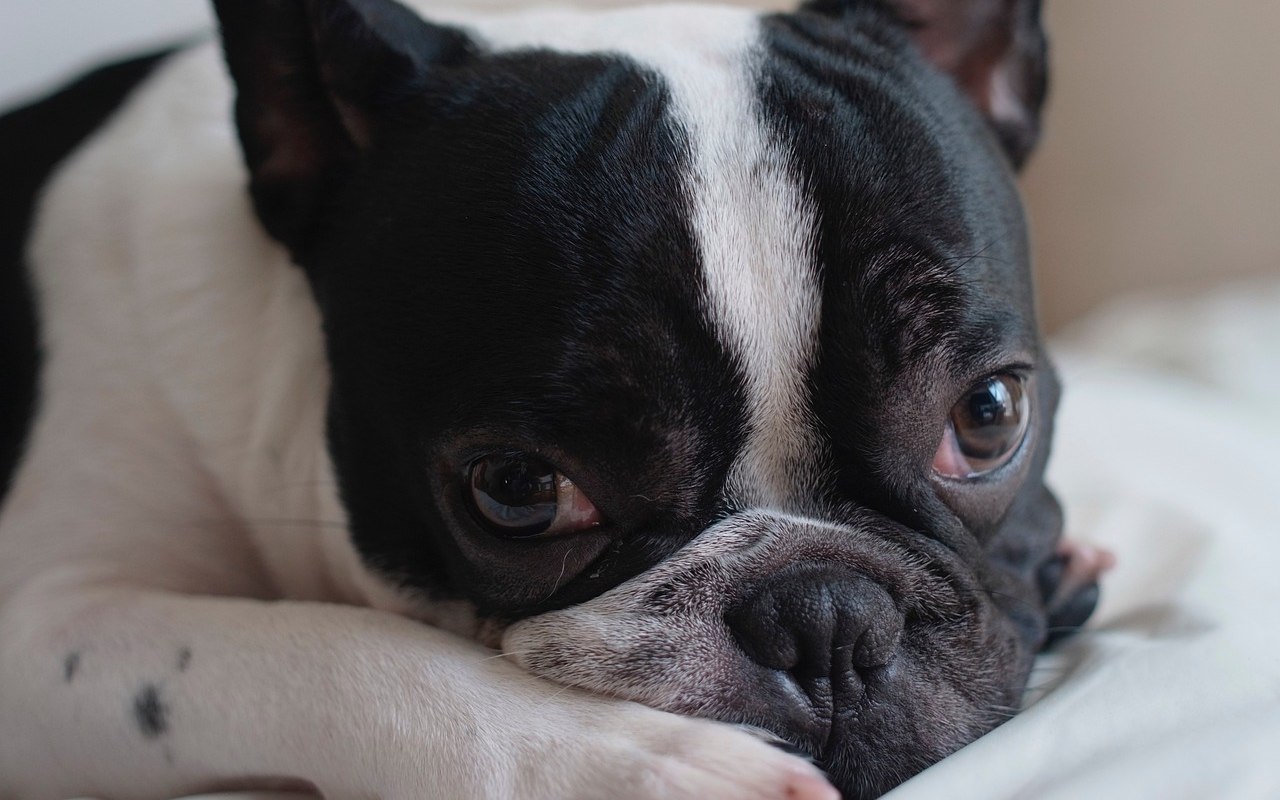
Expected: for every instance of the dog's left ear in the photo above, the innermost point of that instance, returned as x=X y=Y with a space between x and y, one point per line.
x=995 y=50
x=315 y=79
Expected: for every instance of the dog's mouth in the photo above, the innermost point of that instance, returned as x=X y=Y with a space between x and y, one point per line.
x=829 y=636
x=894 y=721
x=875 y=658
x=874 y=695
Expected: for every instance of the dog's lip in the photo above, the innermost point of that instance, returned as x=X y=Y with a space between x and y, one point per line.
x=792 y=713
x=837 y=749
x=827 y=705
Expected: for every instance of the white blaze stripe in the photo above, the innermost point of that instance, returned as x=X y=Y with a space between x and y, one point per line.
x=755 y=234
x=754 y=230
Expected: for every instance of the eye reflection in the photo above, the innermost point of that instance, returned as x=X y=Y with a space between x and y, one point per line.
x=520 y=496
x=985 y=428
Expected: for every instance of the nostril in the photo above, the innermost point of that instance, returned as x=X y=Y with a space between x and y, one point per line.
x=763 y=632
x=878 y=640
x=818 y=622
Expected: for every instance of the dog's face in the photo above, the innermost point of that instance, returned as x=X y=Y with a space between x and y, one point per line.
x=698 y=345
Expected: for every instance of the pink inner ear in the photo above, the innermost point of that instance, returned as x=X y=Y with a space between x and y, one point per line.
x=949 y=32
x=355 y=122
x=297 y=151
x=1003 y=103
x=994 y=51
x=969 y=40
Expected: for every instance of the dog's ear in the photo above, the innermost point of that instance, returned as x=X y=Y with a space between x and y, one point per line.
x=995 y=50
x=314 y=81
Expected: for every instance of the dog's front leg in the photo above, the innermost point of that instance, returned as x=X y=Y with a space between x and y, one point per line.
x=130 y=693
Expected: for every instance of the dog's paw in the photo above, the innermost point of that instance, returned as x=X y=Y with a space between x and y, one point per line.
x=1069 y=585
x=652 y=754
x=542 y=742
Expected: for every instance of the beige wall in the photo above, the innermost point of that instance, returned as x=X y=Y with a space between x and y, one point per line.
x=1160 y=165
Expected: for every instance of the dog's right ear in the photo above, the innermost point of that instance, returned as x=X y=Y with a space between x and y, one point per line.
x=995 y=51
x=315 y=79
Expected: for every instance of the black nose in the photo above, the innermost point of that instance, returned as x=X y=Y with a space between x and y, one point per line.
x=826 y=625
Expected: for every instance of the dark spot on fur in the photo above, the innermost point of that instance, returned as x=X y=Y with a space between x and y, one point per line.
x=184 y=659
x=150 y=712
x=70 y=666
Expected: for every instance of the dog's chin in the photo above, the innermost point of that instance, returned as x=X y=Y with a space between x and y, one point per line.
x=868 y=729
x=894 y=722
x=869 y=732
x=871 y=648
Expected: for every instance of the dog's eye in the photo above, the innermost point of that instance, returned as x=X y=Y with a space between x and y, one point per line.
x=519 y=496
x=985 y=428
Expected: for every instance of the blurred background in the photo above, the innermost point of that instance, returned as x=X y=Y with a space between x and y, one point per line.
x=1160 y=166
x=1159 y=171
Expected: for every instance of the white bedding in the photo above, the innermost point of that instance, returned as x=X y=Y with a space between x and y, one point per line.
x=1166 y=452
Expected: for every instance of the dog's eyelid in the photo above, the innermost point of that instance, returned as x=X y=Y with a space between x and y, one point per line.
x=977 y=371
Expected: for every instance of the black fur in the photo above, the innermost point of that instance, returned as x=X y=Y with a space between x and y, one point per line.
x=500 y=249
x=33 y=140
x=921 y=247
x=338 y=69
x=548 y=300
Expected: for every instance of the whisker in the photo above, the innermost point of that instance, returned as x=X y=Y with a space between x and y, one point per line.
x=960 y=262
x=555 y=587
x=1012 y=597
x=1004 y=712
x=563 y=689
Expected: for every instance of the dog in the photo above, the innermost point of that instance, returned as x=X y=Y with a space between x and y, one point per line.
x=634 y=402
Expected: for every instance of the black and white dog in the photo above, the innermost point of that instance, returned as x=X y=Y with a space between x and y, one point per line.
x=684 y=353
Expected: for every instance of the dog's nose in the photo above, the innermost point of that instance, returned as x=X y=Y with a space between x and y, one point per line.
x=817 y=623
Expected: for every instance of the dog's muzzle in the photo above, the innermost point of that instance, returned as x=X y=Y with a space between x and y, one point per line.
x=872 y=647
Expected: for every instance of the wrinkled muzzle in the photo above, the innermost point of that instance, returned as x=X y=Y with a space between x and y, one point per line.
x=871 y=647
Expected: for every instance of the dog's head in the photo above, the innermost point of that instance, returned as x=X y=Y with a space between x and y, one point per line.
x=696 y=345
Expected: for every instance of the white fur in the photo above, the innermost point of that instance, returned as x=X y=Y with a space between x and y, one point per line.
x=177 y=478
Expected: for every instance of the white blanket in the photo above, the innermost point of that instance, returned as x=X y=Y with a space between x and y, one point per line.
x=1166 y=452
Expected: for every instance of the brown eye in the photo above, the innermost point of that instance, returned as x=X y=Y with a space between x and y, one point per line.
x=519 y=496
x=985 y=428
